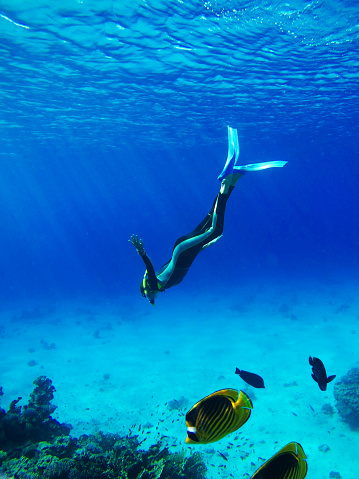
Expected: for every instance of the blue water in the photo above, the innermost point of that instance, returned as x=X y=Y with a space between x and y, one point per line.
x=113 y=121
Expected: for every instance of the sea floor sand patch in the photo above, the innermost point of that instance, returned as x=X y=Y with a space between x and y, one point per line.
x=118 y=371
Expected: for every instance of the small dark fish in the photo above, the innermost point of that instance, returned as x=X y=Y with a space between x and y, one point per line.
x=224 y=457
x=250 y=378
x=319 y=373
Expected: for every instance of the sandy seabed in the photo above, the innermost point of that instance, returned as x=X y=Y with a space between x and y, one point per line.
x=123 y=366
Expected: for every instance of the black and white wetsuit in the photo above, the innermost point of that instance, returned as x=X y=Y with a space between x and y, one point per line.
x=187 y=247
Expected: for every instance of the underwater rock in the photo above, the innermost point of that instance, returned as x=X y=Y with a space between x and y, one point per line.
x=324 y=448
x=51 y=453
x=290 y=384
x=328 y=409
x=46 y=345
x=32 y=363
x=32 y=422
x=177 y=404
x=346 y=393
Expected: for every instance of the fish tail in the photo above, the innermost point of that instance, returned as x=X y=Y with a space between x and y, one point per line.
x=243 y=401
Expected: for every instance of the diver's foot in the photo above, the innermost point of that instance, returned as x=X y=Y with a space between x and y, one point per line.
x=235 y=177
x=225 y=184
x=230 y=180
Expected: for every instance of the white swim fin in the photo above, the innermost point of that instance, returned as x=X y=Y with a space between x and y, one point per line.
x=231 y=165
x=233 y=153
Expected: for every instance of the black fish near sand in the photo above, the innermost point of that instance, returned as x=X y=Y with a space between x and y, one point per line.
x=319 y=373
x=250 y=378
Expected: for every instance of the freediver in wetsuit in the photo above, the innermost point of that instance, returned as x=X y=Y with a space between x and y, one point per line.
x=206 y=233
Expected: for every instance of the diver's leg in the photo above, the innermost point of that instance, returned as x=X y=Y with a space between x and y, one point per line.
x=208 y=231
x=219 y=204
x=187 y=247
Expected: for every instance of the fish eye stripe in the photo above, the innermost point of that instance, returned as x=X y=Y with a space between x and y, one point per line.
x=193 y=436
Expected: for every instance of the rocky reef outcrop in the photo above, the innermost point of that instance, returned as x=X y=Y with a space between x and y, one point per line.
x=346 y=393
x=34 y=445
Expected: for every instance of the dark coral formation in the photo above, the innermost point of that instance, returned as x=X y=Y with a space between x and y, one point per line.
x=346 y=393
x=33 y=422
x=34 y=445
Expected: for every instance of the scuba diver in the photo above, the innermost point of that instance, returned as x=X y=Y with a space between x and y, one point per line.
x=209 y=231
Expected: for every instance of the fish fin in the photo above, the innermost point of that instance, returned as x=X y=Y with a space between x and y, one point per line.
x=232 y=393
x=300 y=451
x=238 y=371
x=315 y=379
x=243 y=409
x=311 y=362
x=331 y=378
x=291 y=447
x=244 y=401
x=302 y=459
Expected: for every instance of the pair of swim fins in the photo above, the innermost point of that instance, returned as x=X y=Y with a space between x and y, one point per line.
x=231 y=165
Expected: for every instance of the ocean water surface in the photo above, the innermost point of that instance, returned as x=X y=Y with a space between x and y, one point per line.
x=113 y=121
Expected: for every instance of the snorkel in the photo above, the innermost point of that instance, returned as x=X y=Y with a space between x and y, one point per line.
x=146 y=291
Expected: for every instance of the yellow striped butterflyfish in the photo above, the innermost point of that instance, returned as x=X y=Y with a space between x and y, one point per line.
x=289 y=463
x=217 y=415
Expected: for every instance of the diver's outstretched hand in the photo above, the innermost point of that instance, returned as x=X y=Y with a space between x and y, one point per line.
x=137 y=243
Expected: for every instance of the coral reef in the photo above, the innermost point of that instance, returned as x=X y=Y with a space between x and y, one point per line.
x=33 y=422
x=178 y=404
x=346 y=393
x=34 y=445
x=327 y=409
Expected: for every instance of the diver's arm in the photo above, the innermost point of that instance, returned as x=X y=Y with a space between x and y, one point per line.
x=138 y=244
x=152 y=278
